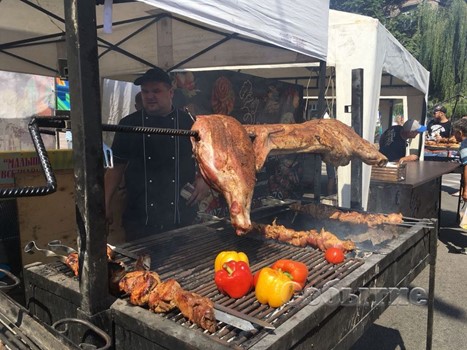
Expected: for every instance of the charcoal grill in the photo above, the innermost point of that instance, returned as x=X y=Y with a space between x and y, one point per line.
x=310 y=318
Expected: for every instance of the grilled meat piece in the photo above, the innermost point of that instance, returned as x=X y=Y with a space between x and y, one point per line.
x=139 y=285
x=116 y=271
x=226 y=160
x=198 y=309
x=72 y=261
x=322 y=240
x=110 y=253
x=145 y=288
x=323 y=212
x=335 y=141
x=162 y=297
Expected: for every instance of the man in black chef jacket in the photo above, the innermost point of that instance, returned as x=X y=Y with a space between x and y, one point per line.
x=155 y=166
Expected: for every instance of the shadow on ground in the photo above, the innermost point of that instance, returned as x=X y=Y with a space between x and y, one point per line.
x=450 y=234
x=455 y=239
x=449 y=189
x=392 y=339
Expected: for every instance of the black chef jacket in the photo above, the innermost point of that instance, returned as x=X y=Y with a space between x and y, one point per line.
x=158 y=166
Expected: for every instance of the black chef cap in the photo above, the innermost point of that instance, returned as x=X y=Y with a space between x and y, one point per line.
x=154 y=74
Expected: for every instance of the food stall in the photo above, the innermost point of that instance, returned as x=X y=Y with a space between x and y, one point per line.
x=186 y=254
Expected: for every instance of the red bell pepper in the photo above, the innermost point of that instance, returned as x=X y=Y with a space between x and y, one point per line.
x=296 y=270
x=234 y=279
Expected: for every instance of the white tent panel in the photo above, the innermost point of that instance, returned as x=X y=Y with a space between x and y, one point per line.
x=170 y=34
x=279 y=23
x=355 y=42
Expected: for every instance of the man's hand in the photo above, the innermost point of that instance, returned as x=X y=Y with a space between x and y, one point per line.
x=112 y=179
x=411 y=158
x=464 y=194
x=109 y=215
x=201 y=191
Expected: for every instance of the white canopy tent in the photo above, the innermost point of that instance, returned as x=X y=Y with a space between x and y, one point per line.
x=170 y=34
x=355 y=42
x=249 y=36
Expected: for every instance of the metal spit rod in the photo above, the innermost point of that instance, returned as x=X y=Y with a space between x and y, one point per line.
x=147 y=130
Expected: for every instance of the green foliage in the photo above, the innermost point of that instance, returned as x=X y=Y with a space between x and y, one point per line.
x=436 y=37
x=443 y=51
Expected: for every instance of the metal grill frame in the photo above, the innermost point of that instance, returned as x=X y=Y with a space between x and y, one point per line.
x=19 y=330
x=402 y=259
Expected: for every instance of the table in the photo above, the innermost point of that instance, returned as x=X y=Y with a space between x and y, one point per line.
x=418 y=196
x=441 y=154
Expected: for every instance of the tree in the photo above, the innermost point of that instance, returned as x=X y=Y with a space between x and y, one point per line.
x=435 y=36
x=443 y=51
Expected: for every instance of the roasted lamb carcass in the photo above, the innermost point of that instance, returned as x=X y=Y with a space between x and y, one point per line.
x=335 y=141
x=226 y=160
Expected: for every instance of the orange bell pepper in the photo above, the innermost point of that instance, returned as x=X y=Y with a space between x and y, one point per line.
x=297 y=271
x=226 y=256
x=273 y=287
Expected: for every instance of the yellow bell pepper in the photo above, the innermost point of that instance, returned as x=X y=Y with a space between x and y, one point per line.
x=273 y=287
x=226 y=256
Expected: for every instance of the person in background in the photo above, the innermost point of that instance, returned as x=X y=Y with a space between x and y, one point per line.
x=155 y=167
x=440 y=126
x=460 y=133
x=399 y=120
x=394 y=141
x=138 y=101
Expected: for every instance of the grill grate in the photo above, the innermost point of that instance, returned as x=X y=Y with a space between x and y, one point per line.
x=188 y=257
x=11 y=336
x=188 y=254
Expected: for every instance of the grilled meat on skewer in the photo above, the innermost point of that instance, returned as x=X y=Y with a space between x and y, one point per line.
x=72 y=261
x=145 y=287
x=226 y=160
x=162 y=297
x=321 y=240
x=198 y=309
x=322 y=212
x=139 y=284
x=335 y=141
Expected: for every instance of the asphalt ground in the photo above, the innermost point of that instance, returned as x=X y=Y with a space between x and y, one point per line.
x=404 y=325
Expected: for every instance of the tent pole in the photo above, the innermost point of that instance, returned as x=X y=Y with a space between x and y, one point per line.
x=357 y=121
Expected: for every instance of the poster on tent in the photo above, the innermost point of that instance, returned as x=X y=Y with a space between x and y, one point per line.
x=251 y=100
x=21 y=97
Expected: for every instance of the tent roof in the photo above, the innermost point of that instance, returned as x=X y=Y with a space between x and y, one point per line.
x=170 y=34
x=357 y=41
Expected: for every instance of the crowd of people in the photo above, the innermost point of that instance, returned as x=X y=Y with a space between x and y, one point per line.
x=394 y=141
